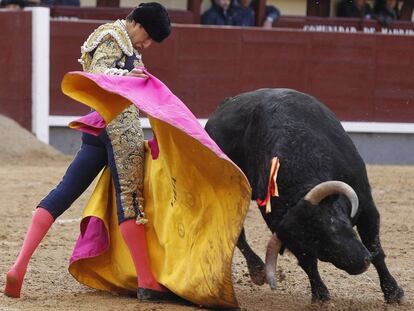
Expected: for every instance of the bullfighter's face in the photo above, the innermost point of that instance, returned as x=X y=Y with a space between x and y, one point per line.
x=138 y=35
x=324 y=232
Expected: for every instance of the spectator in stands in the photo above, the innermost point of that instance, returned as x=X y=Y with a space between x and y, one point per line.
x=386 y=11
x=245 y=15
x=13 y=4
x=17 y=4
x=272 y=16
x=220 y=13
x=354 y=8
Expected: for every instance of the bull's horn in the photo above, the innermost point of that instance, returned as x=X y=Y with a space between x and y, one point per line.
x=272 y=251
x=321 y=191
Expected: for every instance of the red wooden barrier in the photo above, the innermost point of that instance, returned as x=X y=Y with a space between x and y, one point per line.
x=362 y=77
x=16 y=65
x=66 y=39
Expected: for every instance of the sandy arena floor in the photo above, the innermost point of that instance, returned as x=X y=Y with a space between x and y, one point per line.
x=49 y=286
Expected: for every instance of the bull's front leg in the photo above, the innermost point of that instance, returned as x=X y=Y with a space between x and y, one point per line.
x=320 y=292
x=254 y=263
x=368 y=228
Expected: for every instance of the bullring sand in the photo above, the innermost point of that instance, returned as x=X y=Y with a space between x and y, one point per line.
x=29 y=169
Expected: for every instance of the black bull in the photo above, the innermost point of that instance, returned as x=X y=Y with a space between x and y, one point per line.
x=313 y=148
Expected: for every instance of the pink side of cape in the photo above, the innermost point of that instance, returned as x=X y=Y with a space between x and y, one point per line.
x=155 y=99
x=92 y=241
x=91 y=123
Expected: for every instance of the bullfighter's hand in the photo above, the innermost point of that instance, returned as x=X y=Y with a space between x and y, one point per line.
x=139 y=73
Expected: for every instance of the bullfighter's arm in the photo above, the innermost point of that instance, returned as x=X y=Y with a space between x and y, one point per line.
x=105 y=58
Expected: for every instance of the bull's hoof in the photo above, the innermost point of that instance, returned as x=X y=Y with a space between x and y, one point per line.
x=257 y=275
x=320 y=295
x=394 y=296
x=272 y=283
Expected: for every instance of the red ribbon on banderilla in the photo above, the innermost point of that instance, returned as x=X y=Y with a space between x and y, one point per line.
x=271 y=186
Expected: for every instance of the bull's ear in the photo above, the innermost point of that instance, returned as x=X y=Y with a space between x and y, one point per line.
x=330 y=200
x=340 y=203
x=300 y=213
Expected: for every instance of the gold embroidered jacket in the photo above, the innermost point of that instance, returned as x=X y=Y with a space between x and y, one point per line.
x=106 y=49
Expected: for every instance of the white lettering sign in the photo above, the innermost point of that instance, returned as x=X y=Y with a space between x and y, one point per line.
x=329 y=28
x=365 y=29
x=397 y=31
x=369 y=30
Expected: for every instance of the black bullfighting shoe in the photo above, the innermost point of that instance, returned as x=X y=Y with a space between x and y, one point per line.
x=150 y=295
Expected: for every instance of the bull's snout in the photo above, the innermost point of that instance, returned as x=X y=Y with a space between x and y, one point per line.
x=358 y=269
x=367 y=262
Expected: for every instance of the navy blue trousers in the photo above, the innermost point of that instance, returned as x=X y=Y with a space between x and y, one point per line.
x=94 y=154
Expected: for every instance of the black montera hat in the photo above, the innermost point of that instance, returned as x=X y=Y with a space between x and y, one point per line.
x=155 y=20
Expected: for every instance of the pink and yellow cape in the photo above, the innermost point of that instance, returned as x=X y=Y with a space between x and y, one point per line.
x=196 y=198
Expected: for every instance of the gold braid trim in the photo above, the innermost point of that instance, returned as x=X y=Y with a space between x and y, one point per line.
x=115 y=32
x=127 y=139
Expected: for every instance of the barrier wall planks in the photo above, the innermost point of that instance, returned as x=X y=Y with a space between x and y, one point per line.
x=362 y=77
x=16 y=64
x=66 y=38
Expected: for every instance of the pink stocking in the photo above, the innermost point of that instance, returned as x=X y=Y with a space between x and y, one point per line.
x=41 y=222
x=136 y=240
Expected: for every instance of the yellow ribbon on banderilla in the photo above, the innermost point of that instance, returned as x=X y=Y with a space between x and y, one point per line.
x=272 y=189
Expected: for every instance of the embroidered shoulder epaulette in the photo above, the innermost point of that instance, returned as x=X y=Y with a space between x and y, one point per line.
x=116 y=30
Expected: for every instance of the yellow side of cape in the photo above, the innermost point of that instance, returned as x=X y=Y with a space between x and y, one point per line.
x=196 y=203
